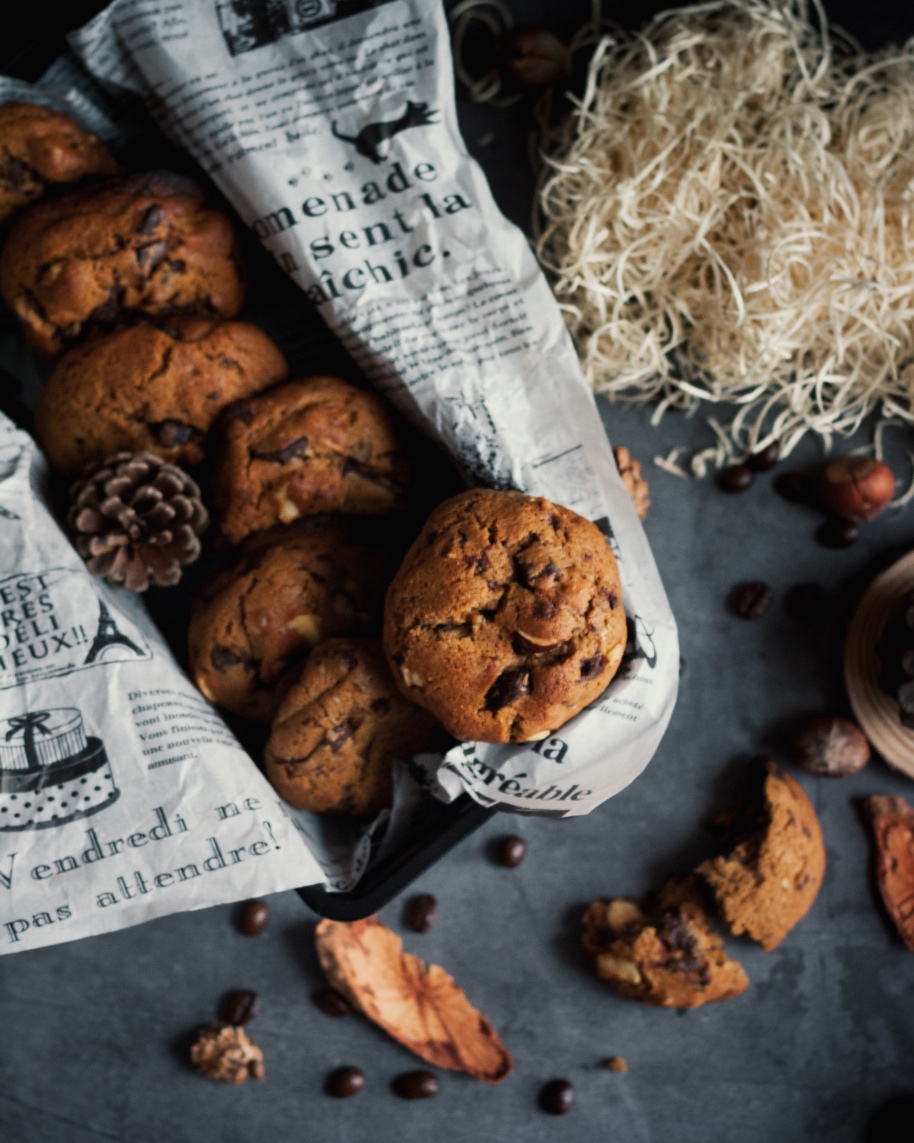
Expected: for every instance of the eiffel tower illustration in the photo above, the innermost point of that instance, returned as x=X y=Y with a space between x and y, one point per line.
x=108 y=635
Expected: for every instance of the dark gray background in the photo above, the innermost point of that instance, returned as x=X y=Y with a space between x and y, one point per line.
x=95 y=1033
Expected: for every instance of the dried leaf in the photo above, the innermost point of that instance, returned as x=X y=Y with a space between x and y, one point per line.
x=420 y=1005
x=892 y=822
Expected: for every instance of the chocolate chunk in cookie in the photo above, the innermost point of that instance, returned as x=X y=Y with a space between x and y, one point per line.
x=144 y=389
x=340 y=728
x=667 y=954
x=252 y=621
x=41 y=149
x=139 y=245
x=306 y=447
x=772 y=874
x=505 y=618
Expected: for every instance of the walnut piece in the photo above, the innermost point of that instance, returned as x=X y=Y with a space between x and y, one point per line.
x=635 y=484
x=224 y=1052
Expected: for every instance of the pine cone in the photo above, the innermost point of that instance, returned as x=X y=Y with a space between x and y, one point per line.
x=136 y=519
x=636 y=485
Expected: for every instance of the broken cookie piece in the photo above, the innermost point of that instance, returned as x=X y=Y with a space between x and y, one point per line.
x=224 y=1052
x=768 y=880
x=418 y=1004
x=892 y=823
x=666 y=954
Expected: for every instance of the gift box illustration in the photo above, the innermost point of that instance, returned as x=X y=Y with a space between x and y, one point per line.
x=51 y=771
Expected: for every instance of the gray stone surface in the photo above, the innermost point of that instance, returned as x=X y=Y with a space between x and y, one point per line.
x=94 y=1043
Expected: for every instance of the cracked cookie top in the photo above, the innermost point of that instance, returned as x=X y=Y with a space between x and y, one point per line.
x=309 y=446
x=138 y=245
x=769 y=879
x=147 y=389
x=41 y=148
x=505 y=618
x=253 y=620
x=339 y=729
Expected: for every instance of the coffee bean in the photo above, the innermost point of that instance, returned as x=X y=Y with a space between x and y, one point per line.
x=751 y=600
x=795 y=487
x=420 y=912
x=735 y=478
x=807 y=602
x=766 y=459
x=837 y=533
x=331 y=1003
x=253 y=916
x=511 y=852
x=557 y=1096
x=344 y=1082
x=416 y=1085
x=239 y=1007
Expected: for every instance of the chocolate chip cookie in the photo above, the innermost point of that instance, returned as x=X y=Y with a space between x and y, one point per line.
x=40 y=149
x=340 y=728
x=505 y=618
x=252 y=621
x=306 y=447
x=768 y=880
x=667 y=954
x=139 y=245
x=147 y=389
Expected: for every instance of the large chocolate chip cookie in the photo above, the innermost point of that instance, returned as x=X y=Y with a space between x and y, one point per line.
x=154 y=390
x=139 y=245
x=506 y=617
x=340 y=728
x=309 y=446
x=252 y=621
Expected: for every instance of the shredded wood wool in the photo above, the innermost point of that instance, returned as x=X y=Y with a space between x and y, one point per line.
x=729 y=215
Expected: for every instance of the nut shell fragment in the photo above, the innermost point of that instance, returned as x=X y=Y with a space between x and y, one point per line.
x=420 y=1005
x=635 y=484
x=224 y=1052
x=892 y=823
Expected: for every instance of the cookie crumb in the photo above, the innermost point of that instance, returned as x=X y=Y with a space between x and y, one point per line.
x=224 y=1052
x=616 y=1064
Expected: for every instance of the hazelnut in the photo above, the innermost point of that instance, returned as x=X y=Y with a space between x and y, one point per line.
x=830 y=746
x=533 y=57
x=856 y=487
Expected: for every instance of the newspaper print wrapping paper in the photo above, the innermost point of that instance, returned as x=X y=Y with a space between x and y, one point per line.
x=123 y=796
x=331 y=127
